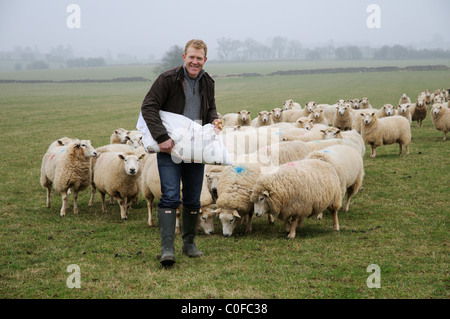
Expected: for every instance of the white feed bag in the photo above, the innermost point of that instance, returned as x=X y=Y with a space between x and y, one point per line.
x=193 y=142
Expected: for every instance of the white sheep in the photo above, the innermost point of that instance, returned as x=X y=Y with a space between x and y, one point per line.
x=212 y=175
x=291 y=115
x=67 y=166
x=385 y=111
x=277 y=114
x=389 y=130
x=404 y=99
x=404 y=110
x=343 y=118
x=353 y=136
x=365 y=103
x=241 y=118
x=297 y=190
x=355 y=104
x=134 y=139
x=418 y=111
x=117 y=174
x=319 y=116
x=119 y=136
x=348 y=165
x=440 y=116
x=283 y=152
x=290 y=104
x=264 y=118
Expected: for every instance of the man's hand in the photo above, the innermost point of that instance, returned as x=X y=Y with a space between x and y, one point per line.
x=166 y=146
x=218 y=125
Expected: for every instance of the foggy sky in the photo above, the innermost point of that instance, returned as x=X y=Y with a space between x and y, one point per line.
x=150 y=27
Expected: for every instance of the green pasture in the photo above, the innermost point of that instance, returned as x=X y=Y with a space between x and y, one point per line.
x=399 y=221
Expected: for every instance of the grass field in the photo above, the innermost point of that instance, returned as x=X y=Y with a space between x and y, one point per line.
x=399 y=221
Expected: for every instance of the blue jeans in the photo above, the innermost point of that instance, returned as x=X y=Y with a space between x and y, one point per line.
x=170 y=174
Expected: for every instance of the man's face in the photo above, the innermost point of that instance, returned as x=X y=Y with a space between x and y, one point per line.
x=194 y=59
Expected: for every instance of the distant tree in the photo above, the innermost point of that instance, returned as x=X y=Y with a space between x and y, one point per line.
x=36 y=65
x=227 y=46
x=279 y=45
x=172 y=58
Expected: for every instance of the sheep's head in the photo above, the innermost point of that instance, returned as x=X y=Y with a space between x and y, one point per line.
x=229 y=219
x=206 y=219
x=276 y=113
x=342 y=108
x=403 y=108
x=316 y=113
x=264 y=116
x=83 y=149
x=131 y=163
x=134 y=140
x=389 y=109
x=420 y=103
x=368 y=117
x=259 y=200
x=355 y=104
x=288 y=104
x=305 y=123
x=436 y=109
x=212 y=179
x=310 y=106
x=244 y=115
x=364 y=101
x=331 y=133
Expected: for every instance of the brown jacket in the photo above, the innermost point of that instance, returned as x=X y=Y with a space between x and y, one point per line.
x=167 y=94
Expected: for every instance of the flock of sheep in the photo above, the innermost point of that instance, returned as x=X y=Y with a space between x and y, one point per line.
x=289 y=163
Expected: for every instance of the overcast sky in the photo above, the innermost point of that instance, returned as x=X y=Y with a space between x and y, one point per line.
x=150 y=27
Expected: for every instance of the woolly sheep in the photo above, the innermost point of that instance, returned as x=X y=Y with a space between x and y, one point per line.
x=365 y=103
x=241 y=118
x=297 y=190
x=290 y=104
x=277 y=115
x=418 y=111
x=134 y=139
x=355 y=104
x=404 y=110
x=385 y=111
x=385 y=131
x=212 y=175
x=353 y=136
x=67 y=166
x=264 y=118
x=343 y=118
x=348 y=165
x=318 y=116
x=404 y=99
x=440 y=116
x=291 y=115
x=117 y=174
x=119 y=136
x=284 y=152
x=151 y=189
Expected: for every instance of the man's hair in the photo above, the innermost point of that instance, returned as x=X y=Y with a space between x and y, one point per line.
x=196 y=44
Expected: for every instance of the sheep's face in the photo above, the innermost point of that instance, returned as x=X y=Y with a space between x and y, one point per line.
x=355 y=104
x=206 y=220
x=364 y=101
x=342 y=108
x=389 y=109
x=436 y=109
x=403 y=108
x=288 y=104
x=131 y=163
x=331 y=133
x=367 y=117
x=229 y=219
x=305 y=123
x=212 y=179
x=420 y=103
x=276 y=113
x=264 y=116
x=134 y=141
x=260 y=203
x=122 y=135
x=317 y=113
x=85 y=148
x=244 y=115
x=404 y=96
x=310 y=106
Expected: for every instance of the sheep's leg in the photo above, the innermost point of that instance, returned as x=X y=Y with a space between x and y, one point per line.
x=75 y=202
x=400 y=148
x=111 y=200
x=374 y=151
x=445 y=136
x=294 y=222
x=249 y=227
x=64 y=203
x=103 y=202
x=123 y=208
x=334 y=213
x=271 y=219
x=48 y=196
x=320 y=216
x=91 y=200
x=150 y=211
x=287 y=227
x=407 y=149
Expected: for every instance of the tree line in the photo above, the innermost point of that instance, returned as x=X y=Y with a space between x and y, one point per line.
x=283 y=48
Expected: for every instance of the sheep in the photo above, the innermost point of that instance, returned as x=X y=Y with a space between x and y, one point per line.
x=418 y=111
x=304 y=122
x=352 y=136
x=241 y=118
x=290 y=104
x=384 y=131
x=291 y=115
x=67 y=166
x=134 y=139
x=440 y=116
x=319 y=116
x=264 y=118
x=343 y=118
x=426 y=96
x=355 y=104
x=404 y=110
x=212 y=175
x=119 y=136
x=284 y=152
x=297 y=190
x=348 y=165
x=118 y=175
x=277 y=115
x=151 y=189
x=385 y=111
x=404 y=99
x=364 y=103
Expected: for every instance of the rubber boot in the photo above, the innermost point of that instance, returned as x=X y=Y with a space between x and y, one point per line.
x=166 y=221
x=189 y=220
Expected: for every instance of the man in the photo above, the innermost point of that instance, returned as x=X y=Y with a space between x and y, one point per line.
x=186 y=90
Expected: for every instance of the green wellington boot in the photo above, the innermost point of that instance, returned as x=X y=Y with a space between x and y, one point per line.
x=189 y=220
x=166 y=221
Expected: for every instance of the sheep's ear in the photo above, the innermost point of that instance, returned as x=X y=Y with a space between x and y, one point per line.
x=362 y=114
x=337 y=132
x=121 y=156
x=324 y=131
x=216 y=211
x=373 y=113
x=266 y=193
x=239 y=112
x=77 y=145
x=312 y=121
x=236 y=214
x=249 y=112
x=141 y=157
x=127 y=138
x=60 y=143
